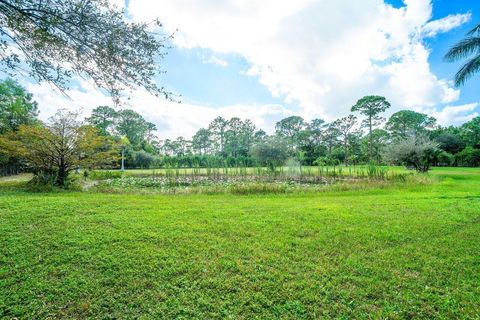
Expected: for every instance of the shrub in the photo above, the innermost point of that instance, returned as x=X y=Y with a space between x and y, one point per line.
x=271 y=153
x=105 y=175
x=468 y=157
x=143 y=159
x=326 y=161
x=444 y=159
x=45 y=181
x=42 y=181
x=416 y=152
x=450 y=143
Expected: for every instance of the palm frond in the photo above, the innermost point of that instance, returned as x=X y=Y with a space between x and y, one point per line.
x=463 y=49
x=474 y=31
x=467 y=71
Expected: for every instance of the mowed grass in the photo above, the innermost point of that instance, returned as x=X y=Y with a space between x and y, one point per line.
x=394 y=252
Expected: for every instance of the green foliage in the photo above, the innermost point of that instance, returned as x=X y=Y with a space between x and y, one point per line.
x=291 y=129
x=16 y=106
x=133 y=126
x=104 y=119
x=143 y=159
x=379 y=139
x=61 y=39
x=43 y=181
x=271 y=153
x=469 y=157
x=408 y=123
x=230 y=141
x=450 y=143
x=470 y=132
x=416 y=152
x=104 y=174
x=444 y=159
x=466 y=48
x=326 y=161
x=238 y=137
x=202 y=141
x=218 y=128
x=344 y=127
x=60 y=147
x=371 y=107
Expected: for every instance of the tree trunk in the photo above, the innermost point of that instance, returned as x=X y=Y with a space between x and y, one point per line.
x=370 y=143
x=123 y=159
x=346 y=151
x=62 y=174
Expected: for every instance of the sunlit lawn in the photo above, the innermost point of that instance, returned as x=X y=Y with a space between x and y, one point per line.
x=403 y=252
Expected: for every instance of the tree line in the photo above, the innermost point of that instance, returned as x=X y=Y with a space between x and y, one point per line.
x=361 y=137
x=111 y=136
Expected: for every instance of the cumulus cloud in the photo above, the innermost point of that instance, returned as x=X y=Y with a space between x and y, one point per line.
x=445 y=24
x=216 y=61
x=320 y=54
x=456 y=115
x=172 y=119
x=82 y=98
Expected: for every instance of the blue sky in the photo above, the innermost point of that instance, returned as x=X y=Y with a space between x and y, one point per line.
x=269 y=59
x=441 y=43
x=207 y=83
x=198 y=81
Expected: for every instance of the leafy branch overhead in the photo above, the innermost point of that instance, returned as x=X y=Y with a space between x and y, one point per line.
x=53 y=41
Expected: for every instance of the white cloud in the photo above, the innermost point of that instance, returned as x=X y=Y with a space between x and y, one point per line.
x=172 y=119
x=322 y=54
x=445 y=24
x=456 y=115
x=83 y=98
x=216 y=61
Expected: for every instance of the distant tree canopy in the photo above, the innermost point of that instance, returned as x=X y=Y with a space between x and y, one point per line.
x=55 y=40
x=270 y=153
x=133 y=126
x=16 y=106
x=318 y=142
x=406 y=123
x=344 y=127
x=238 y=142
x=135 y=134
x=371 y=107
x=450 y=142
x=126 y=122
x=202 y=141
x=470 y=132
x=291 y=128
x=104 y=119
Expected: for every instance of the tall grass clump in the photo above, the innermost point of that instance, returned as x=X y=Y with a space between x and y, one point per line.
x=236 y=177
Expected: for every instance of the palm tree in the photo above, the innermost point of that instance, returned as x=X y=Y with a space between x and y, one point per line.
x=465 y=49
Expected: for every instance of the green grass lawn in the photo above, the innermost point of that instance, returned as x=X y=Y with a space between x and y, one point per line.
x=391 y=252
